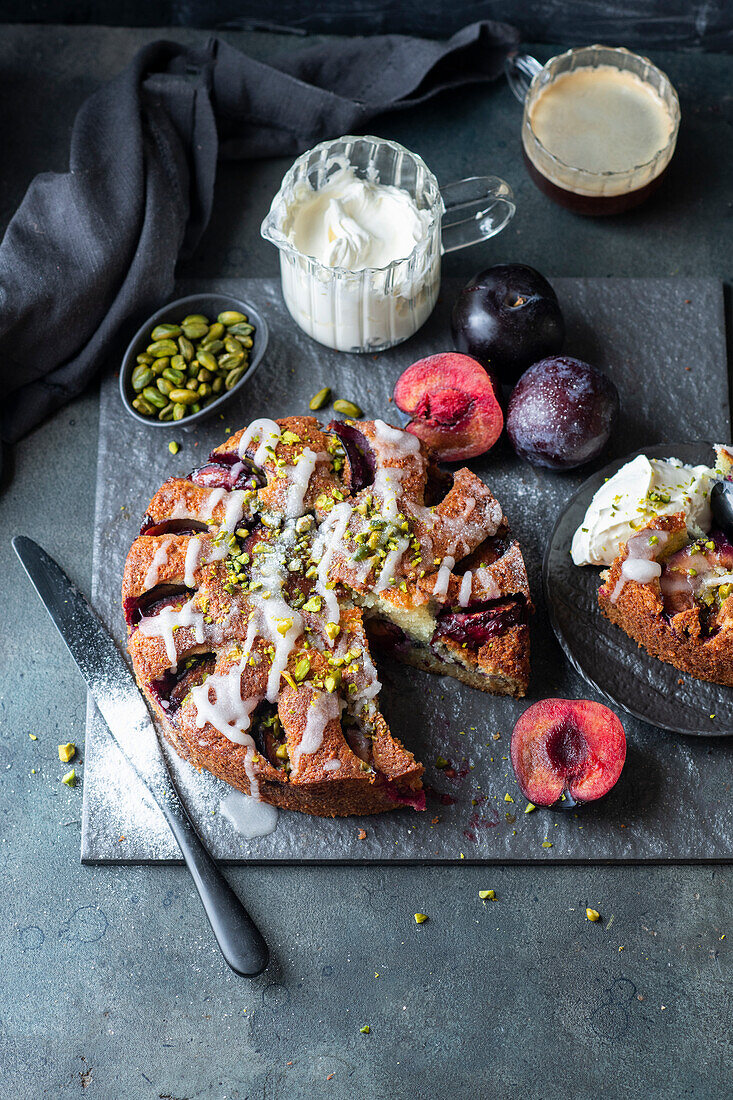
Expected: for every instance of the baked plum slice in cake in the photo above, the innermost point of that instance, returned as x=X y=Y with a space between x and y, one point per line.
x=249 y=591
x=672 y=595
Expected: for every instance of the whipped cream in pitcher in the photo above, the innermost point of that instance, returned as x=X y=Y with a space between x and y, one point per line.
x=354 y=223
x=359 y=226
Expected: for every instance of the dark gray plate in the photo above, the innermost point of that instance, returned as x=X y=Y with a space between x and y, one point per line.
x=601 y=652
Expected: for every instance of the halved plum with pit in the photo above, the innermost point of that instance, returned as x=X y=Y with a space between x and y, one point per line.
x=475 y=627
x=567 y=751
x=453 y=405
x=362 y=463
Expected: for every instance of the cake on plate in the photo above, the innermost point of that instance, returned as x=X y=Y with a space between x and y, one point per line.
x=672 y=595
x=261 y=582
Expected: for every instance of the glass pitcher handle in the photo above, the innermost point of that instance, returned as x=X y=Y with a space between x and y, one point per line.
x=475 y=209
x=520 y=69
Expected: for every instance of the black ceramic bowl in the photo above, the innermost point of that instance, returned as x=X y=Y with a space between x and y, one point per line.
x=210 y=305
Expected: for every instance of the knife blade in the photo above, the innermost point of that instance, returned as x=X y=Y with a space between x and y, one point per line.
x=123 y=708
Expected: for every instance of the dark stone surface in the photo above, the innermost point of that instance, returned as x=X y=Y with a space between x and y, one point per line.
x=644 y=334
x=112 y=972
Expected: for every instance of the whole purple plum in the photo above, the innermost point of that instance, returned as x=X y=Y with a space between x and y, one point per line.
x=508 y=317
x=561 y=413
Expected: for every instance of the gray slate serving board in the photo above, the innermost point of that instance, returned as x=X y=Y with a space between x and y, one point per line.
x=673 y=801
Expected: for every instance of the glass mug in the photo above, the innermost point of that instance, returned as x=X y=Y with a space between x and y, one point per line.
x=582 y=188
x=375 y=308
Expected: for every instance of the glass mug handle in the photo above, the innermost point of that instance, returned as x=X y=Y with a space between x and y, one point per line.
x=520 y=69
x=475 y=209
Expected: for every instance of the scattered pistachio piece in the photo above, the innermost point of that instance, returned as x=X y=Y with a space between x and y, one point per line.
x=487 y=895
x=441 y=762
x=67 y=752
x=320 y=399
x=529 y=807
x=592 y=914
x=365 y=1030
x=174 y=447
x=32 y=736
x=347 y=408
x=420 y=918
x=508 y=798
x=70 y=778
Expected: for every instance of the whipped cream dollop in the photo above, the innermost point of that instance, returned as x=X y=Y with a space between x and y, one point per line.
x=639 y=491
x=354 y=223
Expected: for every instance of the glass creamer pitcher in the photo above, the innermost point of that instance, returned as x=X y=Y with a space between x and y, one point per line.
x=377 y=307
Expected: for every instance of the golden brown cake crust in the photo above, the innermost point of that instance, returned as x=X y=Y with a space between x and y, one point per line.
x=245 y=596
x=677 y=639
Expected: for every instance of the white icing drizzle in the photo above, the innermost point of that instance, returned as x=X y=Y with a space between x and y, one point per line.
x=249 y=815
x=227 y=712
x=488 y=585
x=401 y=443
x=266 y=432
x=181 y=510
x=387 y=484
x=370 y=687
x=214 y=497
x=639 y=564
x=233 y=510
x=324 y=708
x=278 y=622
x=299 y=476
x=443 y=577
x=464 y=594
x=160 y=558
x=332 y=533
x=459 y=528
x=166 y=622
x=388 y=572
x=193 y=560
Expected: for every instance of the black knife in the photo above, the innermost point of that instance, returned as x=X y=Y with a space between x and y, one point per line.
x=123 y=708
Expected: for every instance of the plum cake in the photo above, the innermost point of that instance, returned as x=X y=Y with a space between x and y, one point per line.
x=262 y=581
x=672 y=594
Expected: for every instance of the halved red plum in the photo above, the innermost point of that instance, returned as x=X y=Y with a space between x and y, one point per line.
x=567 y=751
x=474 y=627
x=453 y=405
x=684 y=571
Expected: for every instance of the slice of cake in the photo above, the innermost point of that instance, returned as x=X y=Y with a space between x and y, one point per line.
x=672 y=595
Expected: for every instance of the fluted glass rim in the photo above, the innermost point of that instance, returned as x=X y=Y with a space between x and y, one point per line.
x=271 y=232
x=540 y=77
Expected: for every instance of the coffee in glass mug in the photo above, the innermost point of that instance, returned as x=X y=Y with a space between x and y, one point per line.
x=599 y=127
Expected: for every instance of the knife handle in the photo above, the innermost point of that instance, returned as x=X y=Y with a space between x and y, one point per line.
x=239 y=939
